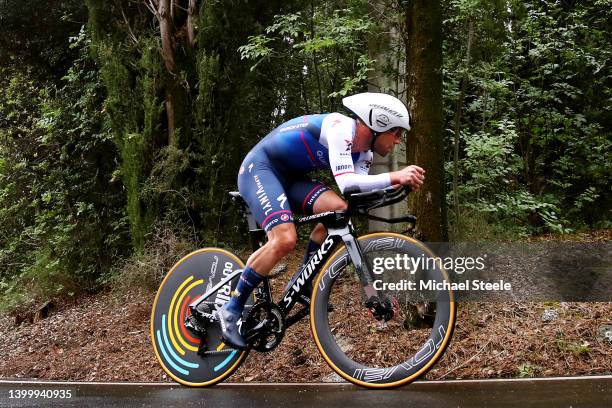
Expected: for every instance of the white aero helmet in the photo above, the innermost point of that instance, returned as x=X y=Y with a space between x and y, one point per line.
x=380 y=112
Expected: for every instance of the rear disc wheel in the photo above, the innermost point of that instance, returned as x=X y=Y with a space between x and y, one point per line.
x=193 y=360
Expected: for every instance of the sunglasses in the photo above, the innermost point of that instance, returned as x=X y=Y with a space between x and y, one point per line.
x=400 y=133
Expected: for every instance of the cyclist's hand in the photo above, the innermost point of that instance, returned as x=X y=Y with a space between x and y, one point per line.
x=412 y=176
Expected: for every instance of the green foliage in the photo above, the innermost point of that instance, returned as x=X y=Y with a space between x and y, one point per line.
x=530 y=370
x=534 y=141
x=35 y=33
x=583 y=348
x=62 y=221
x=325 y=48
x=90 y=172
x=135 y=112
x=167 y=244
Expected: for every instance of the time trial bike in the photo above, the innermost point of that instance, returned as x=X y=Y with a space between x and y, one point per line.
x=354 y=289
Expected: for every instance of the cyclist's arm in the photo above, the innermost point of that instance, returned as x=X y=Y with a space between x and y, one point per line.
x=349 y=175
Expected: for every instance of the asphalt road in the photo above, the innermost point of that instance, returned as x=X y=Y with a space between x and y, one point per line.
x=575 y=392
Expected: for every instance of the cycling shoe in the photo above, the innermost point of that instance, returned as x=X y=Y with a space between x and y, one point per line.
x=230 y=331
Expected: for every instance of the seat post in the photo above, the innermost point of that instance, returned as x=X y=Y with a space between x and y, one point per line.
x=256 y=234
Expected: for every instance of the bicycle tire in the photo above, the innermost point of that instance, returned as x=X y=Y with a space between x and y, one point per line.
x=175 y=347
x=363 y=342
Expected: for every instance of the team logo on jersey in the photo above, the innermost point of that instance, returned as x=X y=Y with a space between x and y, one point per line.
x=250 y=167
x=284 y=217
x=282 y=199
x=321 y=157
x=343 y=167
x=266 y=206
x=292 y=127
x=349 y=144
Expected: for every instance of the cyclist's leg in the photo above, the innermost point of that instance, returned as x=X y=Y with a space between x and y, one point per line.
x=312 y=197
x=264 y=193
x=328 y=201
x=281 y=241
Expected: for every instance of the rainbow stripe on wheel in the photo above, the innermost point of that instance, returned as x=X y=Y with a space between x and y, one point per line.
x=173 y=328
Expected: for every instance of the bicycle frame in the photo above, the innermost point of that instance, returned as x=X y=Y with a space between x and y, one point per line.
x=339 y=229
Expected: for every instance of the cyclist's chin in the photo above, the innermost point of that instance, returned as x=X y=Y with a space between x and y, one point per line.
x=383 y=152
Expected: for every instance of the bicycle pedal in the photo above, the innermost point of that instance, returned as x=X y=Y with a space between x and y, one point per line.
x=193 y=325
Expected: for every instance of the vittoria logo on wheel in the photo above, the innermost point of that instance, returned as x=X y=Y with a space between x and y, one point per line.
x=299 y=282
x=213 y=268
x=213 y=273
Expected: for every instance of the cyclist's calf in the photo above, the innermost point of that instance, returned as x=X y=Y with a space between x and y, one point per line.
x=281 y=241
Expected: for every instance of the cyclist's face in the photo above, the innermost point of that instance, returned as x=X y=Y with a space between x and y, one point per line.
x=385 y=143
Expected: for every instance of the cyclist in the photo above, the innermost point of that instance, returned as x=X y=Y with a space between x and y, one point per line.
x=273 y=180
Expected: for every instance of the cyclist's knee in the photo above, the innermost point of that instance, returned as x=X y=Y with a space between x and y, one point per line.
x=329 y=201
x=341 y=205
x=283 y=240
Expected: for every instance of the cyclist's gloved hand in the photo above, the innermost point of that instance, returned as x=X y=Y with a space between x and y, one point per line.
x=381 y=309
x=412 y=176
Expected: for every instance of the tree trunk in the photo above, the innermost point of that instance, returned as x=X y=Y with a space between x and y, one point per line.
x=423 y=41
x=165 y=30
x=458 y=112
x=191 y=10
x=164 y=15
x=388 y=60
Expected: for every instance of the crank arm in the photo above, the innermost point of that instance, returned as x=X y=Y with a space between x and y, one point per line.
x=255 y=330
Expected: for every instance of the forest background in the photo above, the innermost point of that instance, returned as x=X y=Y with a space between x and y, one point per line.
x=123 y=123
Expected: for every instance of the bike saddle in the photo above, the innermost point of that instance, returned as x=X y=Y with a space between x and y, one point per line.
x=237 y=198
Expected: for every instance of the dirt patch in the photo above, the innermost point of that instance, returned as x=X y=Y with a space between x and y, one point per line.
x=97 y=338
